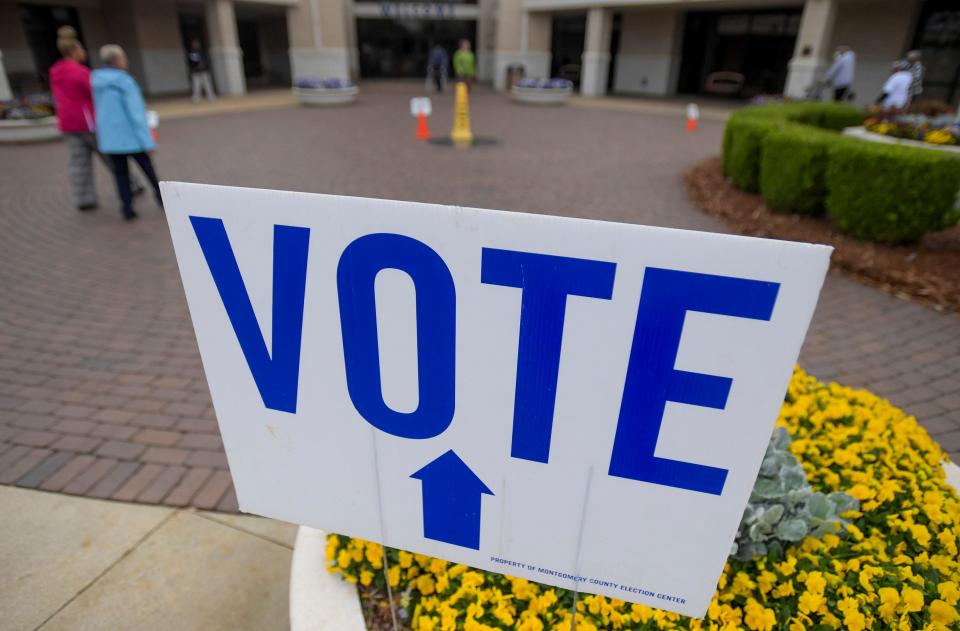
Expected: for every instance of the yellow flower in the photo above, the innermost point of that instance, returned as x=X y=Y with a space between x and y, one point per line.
x=766 y=581
x=854 y=621
x=921 y=535
x=393 y=575
x=406 y=559
x=425 y=584
x=344 y=559
x=758 y=618
x=742 y=585
x=810 y=602
x=912 y=599
x=366 y=577
x=815 y=582
x=889 y=599
x=942 y=613
x=783 y=590
x=948 y=592
x=788 y=567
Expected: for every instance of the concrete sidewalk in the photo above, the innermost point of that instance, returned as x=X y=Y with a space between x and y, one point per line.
x=76 y=563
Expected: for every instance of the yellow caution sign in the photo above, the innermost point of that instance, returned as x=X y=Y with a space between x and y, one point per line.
x=461 y=134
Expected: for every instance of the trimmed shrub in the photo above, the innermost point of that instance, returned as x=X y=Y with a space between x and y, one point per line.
x=883 y=193
x=891 y=194
x=832 y=116
x=793 y=169
x=746 y=128
x=742 y=144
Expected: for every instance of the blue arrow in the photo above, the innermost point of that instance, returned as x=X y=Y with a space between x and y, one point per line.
x=451 y=501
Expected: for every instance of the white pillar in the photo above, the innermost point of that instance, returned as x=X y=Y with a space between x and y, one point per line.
x=522 y=37
x=226 y=57
x=596 y=52
x=5 y=93
x=811 y=54
x=321 y=39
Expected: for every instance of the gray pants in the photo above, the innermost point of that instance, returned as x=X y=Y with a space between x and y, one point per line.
x=202 y=80
x=82 y=147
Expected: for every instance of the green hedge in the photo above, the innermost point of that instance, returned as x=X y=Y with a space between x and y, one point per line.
x=793 y=169
x=743 y=138
x=886 y=193
x=889 y=193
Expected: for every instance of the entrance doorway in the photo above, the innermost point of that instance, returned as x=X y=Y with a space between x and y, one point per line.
x=262 y=34
x=40 y=24
x=750 y=48
x=398 y=48
x=938 y=38
x=566 y=46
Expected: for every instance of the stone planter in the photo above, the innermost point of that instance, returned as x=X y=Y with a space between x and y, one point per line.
x=327 y=96
x=28 y=130
x=869 y=136
x=320 y=601
x=541 y=96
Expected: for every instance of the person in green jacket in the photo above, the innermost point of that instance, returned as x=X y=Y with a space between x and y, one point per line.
x=464 y=63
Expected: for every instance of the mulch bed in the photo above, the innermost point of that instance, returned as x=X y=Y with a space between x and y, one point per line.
x=927 y=271
x=376 y=610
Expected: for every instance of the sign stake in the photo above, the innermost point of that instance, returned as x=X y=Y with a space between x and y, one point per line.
x=576 y=564
x=383 y=538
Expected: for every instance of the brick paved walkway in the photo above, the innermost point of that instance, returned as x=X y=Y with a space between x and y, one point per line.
x=101 y=388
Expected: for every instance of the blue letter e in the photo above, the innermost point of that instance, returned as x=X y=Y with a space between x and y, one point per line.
x=275 y=372
x=652 y=380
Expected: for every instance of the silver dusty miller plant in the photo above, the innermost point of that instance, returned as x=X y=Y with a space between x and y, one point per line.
x=783 y=508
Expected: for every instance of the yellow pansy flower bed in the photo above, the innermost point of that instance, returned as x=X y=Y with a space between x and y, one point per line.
x=895 y=565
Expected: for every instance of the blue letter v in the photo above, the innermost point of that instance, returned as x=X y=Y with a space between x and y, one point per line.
x=276 y=374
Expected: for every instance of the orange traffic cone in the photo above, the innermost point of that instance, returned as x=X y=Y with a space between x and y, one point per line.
x=693 y=115
x=423 y=132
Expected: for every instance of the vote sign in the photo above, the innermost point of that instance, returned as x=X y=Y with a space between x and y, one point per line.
x=420 y=105
x=580 y=403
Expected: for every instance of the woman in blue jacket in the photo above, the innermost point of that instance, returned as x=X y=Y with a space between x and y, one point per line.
x=122 y=130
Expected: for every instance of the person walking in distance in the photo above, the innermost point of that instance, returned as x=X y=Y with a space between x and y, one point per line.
x=840 y=74
x=464 y=63
x=70 y=87
x=896 y=91
x=200 y=72
x=915 y=63
x=437 y=62
x=122 y=131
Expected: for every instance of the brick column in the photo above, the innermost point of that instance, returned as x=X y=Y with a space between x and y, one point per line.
x=811 y=55
x=596 y=52
x=226 y=57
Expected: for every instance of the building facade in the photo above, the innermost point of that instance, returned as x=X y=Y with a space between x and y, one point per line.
x=738 y=48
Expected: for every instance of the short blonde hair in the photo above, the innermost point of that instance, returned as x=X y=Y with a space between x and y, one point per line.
x=67 y=32
x=66 y=45
x=109 y=53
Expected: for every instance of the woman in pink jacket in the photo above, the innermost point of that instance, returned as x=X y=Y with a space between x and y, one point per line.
x=70 y=85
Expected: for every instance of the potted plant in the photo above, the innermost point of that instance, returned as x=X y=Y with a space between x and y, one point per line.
x=312 y=91
x=29 y=119
x=542 y=91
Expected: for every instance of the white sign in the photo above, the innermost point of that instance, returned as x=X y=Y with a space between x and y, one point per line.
x=420 y=105
x=580 y=403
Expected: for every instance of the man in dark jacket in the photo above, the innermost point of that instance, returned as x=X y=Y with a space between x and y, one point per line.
x=437 y=64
